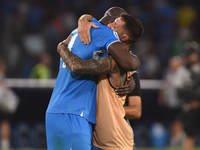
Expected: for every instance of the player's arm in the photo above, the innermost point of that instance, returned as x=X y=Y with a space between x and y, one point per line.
x=84 y=25
x=134 y=108
x=125 y=58
x=127 y=88
x=118 y=50
x=86 y=17
x=90 y=66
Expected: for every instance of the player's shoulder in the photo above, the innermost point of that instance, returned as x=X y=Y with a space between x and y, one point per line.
x=105 y=31
x=75 y=31
x=95 y=21
x=101 y=26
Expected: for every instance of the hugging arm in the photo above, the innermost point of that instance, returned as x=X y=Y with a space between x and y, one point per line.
x=90 y=66
x=127 y=88
x=127 y=60
x=84 y=26
x=118 y=50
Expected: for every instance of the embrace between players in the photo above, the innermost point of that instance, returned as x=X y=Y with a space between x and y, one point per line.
x=94 y=67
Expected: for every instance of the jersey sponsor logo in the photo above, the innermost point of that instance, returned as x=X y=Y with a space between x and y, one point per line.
x=116 y=35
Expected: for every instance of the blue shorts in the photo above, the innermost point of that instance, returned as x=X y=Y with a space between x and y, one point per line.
x=68 y=132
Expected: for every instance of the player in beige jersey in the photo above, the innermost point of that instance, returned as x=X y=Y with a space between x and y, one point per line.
x=111 y=131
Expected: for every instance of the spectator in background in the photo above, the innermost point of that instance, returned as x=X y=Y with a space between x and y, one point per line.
x=186 y=15
x=169 y=100
x=161 y=18
x=167 y=95
x=187 y=82
x=42 y=70
x=178 y=135
x=187 y=21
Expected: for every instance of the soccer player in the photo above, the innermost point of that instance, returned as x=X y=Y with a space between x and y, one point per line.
x=72 y=107
x=111 y=130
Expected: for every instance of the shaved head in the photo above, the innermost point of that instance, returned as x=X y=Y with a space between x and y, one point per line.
x=111 y=14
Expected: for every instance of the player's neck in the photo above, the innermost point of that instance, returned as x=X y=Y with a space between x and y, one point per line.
x=103 y=21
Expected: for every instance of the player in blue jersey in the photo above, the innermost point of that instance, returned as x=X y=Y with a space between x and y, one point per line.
x=107 y=65
x=72 y=108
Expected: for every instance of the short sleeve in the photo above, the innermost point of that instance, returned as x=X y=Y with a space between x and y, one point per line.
x=104 y=36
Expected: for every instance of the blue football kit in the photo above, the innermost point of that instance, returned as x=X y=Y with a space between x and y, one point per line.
x=74 y=96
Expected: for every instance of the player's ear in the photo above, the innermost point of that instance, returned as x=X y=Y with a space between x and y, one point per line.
x=125 y=38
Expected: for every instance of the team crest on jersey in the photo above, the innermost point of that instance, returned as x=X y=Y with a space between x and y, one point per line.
x=116 y=35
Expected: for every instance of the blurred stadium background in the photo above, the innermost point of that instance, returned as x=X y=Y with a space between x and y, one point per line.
x=31 y=29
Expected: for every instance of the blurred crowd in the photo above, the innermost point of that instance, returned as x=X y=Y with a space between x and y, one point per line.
x=179 y=97
x=31 y=29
